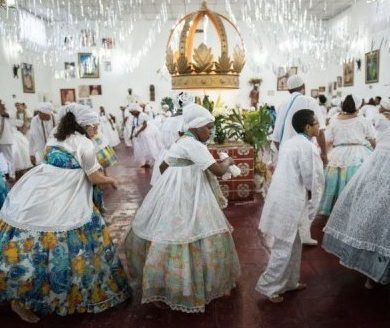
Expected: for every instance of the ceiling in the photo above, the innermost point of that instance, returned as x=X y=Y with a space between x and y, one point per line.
x=58 y=10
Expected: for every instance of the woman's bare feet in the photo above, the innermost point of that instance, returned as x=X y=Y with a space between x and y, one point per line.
x=23 y=313
x=276 y=299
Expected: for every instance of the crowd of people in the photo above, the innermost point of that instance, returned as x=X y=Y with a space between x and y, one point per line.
x=57 y=255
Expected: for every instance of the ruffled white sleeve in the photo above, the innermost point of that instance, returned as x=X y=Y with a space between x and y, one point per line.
x=199 y=154
x=88 y=162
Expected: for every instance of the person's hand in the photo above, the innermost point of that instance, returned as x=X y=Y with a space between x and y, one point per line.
x=33 y=160
x=114 y=184
x=230 y=161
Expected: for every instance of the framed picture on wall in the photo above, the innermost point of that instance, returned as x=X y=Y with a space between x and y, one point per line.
x=86 y=102
x=314 y=93
x=70 y=70
x=348 y=73
x=95 y=90
x=83 y=91
x=108 y=43
x=28 y=80
x=339 y=81
x=67 y=95
x=321 y=89
x=283 y=76
x=372 y=67
x=88 y=66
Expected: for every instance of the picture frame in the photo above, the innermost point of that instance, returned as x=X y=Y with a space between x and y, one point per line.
x=107 y=66
x=348 y=73
x=95 y=90
x=339 y=81
x=372 y=66
x=314 y=93
x=83 y=91
x=28 y=79
x=88 y=65
x=86 y=102
x=70 y=70
x=108 y=43
x=67 y=95
x=281 y=83
x=321 y=89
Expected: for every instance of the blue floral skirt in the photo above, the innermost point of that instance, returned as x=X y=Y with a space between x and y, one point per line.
x=336 y=178
x=61 y=272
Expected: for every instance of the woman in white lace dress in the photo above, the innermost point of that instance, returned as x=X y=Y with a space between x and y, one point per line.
x=352 y=137
x=180 y=250
x=144 y=136
x=358 y=229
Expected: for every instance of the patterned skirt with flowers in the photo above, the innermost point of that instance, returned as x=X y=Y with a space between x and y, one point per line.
x=61 y=272
x=186 y=277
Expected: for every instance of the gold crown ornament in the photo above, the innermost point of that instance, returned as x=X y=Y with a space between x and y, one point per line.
x=196 y=66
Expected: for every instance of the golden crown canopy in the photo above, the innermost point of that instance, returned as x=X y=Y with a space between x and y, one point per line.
x=192 y=64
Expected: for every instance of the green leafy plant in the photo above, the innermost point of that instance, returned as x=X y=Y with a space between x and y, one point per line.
x=220 y=133
x=252 y=127
x=168 y=101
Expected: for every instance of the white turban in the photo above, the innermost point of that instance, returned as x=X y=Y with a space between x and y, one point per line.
x=358 y=101
x=134 y=107
x=45 y=108
x=196 y=116
x=294 y=82
x=84 y=114
x=385 y=104
x=165 y=106
x=184 y=98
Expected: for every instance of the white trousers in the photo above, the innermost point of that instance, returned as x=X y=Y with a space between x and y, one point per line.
x=9 y=156
x=283 y=268
x=304 y=229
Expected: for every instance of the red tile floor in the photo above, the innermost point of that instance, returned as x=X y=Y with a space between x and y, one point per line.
x=335 y=296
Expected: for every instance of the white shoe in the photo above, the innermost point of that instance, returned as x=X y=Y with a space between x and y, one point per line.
x=310 y=242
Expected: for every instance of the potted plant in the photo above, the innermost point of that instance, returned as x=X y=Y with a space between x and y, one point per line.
x=253 y=128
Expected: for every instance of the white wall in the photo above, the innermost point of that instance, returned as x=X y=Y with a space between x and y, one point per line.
x=366 y=16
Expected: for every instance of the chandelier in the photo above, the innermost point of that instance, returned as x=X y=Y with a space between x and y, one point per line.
x=195 y=66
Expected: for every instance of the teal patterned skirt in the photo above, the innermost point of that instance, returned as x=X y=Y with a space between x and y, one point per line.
x=3 y=190
x=186 y=277
x=336 y=178
x=61 y=272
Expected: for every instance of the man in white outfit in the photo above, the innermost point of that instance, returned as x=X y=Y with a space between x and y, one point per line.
x=284 y=130
x=6 y=140
x=41 y=126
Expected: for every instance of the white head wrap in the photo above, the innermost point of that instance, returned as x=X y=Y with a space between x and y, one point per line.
x=134 y=107
x=196 y=116
x=84 y=114
x=294 y=81
x=385 y=104
x=46 y=108
x=358 y=101
x=165 y=107
x=184 y=98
